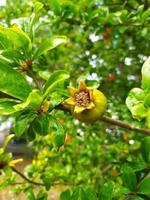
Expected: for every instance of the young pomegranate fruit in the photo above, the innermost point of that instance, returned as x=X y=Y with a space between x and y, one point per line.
x=87 y=104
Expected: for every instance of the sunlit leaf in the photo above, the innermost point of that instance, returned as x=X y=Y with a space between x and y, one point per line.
x=7 y=106
x=14 y=38
x=37 y=6
x=50 y=44
x=33 y=101
x=135 y=103
x=56 y=78
x=13 y=83
x=7 y=139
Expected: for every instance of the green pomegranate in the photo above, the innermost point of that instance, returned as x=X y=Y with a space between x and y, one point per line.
x=87 y=104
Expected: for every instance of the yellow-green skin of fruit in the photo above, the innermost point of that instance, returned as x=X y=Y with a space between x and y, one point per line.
x=90 y=115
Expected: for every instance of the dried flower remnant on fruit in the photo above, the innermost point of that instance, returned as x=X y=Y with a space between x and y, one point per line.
x=82 y=98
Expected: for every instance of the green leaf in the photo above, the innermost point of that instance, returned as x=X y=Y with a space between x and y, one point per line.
x=13 y=83
x=7 y=106
x=30 y=133
x=7 y=139
x=29 y=194
x=135 y=103
x=146 y=75
x=146 y=14
x=59 y=139
x=56 y=78
x=14 y=38
x=90 y=194
x=14 y=55
x=42 y=195
x=22 y=122
x=83 y=195
x=65 y=195
x=137 y=198
x=55 y=6
x=119 y=191
x=40 y=125
x=144 y=187
x=106 y=191
x=58 y=132
x=49 y=44
x=139 y=111
x=93 y=83
x=56 y=98
x=37 y=6
x=44 y=74
x=46 y=177
x=76 y=194
x=140 y=10
x=33 y=101
x=129 y=178
x=147 y=100
x=148 y=119
x=145 y=149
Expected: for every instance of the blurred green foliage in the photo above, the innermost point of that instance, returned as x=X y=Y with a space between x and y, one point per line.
x=46 y=46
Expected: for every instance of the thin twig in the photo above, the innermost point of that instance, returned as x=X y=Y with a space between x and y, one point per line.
x=26 y=178
x=37 y=183
x=37 y=83
x=55 y=183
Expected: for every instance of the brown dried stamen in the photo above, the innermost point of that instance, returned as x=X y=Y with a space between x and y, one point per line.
x=82 y=98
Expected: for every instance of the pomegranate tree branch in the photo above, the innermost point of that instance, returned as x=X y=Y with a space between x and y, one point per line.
x=124 y=125
x=115 y=122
